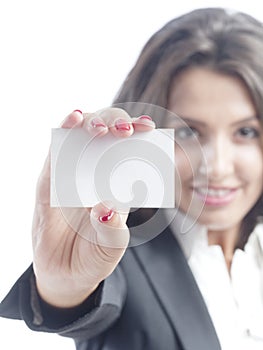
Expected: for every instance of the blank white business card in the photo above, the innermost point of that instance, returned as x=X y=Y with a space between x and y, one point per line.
x=132 y=172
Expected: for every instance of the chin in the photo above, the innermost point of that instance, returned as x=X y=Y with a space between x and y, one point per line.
x=217 y=223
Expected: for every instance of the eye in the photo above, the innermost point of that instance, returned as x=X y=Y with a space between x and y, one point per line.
x=186 y=132
x=248 y=132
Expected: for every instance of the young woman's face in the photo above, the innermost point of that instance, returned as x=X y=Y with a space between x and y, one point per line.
x=220 y=181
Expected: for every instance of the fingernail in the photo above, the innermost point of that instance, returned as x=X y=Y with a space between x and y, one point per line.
x=97 y=122
x=145 y=117
x=122 y=125
x=106 y=217
x=77 y=110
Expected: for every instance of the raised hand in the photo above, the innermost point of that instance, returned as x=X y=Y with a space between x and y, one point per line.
x=69 y=263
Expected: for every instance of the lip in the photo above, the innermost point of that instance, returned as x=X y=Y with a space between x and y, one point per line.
x=216 y=196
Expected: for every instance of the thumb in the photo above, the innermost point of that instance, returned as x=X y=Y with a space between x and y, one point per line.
x=110 y=225
x=74 y=119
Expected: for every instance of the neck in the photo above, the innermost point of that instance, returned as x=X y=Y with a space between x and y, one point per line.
x=227 y=239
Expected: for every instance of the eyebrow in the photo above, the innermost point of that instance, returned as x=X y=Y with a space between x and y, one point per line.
x=246 y=120
x=194 y=121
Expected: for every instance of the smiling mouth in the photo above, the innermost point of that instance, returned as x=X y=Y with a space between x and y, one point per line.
x=215 y=196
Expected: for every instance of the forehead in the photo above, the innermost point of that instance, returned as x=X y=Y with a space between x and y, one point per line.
x=202 y=93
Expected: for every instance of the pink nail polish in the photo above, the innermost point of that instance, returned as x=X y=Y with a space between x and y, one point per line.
x=106 y=217
x=77 y=110
x=96 y=122
x=122 y=125
x=145 y=117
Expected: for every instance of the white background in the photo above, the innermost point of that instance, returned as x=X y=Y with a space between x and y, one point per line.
x=57 y=56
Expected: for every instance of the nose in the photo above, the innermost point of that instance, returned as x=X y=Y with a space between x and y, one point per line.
x=217 y=160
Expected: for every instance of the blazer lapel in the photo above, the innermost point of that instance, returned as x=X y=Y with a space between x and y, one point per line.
x=174 y=284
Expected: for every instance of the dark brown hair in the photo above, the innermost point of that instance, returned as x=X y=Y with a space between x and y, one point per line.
x=226 y=41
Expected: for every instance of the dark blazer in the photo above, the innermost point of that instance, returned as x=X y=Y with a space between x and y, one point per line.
x=150 y=302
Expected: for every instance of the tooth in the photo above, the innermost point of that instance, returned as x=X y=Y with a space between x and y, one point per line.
x=202 y=191
x=212 y=192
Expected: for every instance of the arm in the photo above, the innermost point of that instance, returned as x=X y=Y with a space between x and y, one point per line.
x=75 y=258
x=89 y=319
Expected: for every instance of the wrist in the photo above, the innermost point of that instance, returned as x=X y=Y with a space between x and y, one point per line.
x=66 y=298
x=57 y=317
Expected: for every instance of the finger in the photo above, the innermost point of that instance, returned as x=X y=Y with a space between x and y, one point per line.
x=143 y=123
x=118 y=121
x=74 y=119
x=94 y=124
x=110 y=225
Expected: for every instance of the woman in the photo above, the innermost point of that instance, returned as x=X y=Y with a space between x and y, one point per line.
x=175 y=291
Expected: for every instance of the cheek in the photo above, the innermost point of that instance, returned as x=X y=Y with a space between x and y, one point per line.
x=186 y=163
x=183 y=170
x=249 y=165
x=182 y=163
x=250 y=160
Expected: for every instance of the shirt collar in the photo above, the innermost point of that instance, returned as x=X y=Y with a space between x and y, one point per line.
x=191 y=235
x=187 y=231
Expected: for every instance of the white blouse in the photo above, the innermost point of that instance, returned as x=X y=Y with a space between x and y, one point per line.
x=235 y=300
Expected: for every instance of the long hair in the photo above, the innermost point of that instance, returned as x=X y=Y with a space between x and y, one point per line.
x=227 y=42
